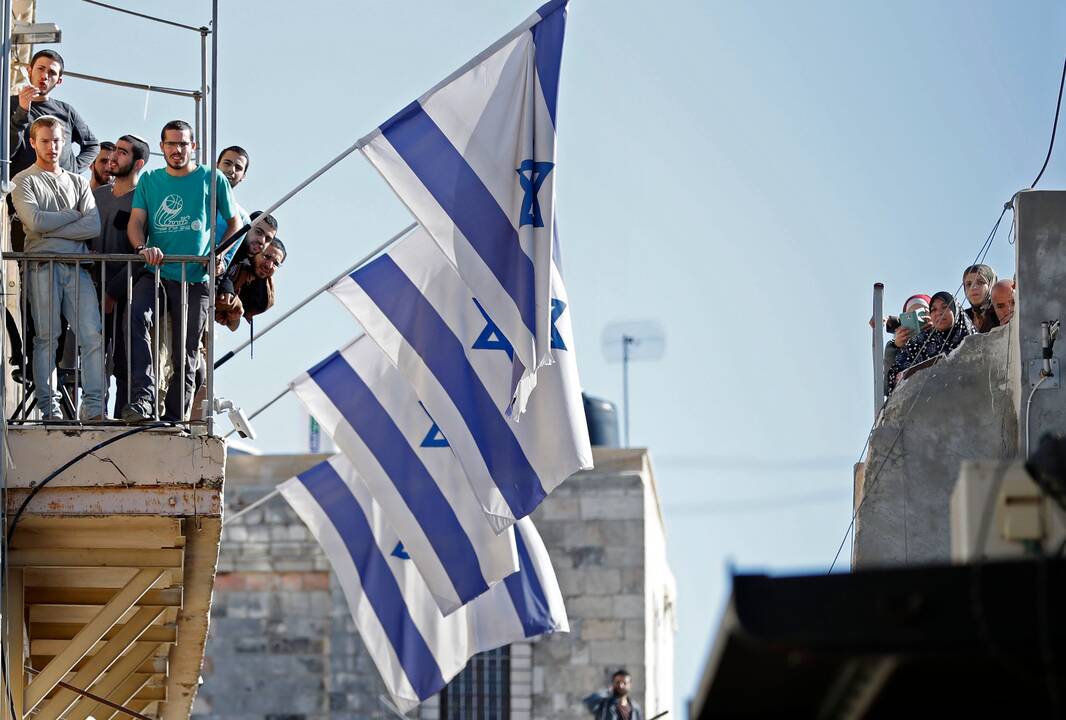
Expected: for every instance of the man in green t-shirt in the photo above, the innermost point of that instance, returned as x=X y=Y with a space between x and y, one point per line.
x=171 y=208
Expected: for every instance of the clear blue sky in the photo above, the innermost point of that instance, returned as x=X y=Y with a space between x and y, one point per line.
x=741 y=172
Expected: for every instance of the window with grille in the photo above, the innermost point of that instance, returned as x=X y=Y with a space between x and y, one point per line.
x=482 y=691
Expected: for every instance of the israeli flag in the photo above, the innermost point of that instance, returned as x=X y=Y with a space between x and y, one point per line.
x=474 y=160
x=417 y=649
x=462 y=366
x=369 y=409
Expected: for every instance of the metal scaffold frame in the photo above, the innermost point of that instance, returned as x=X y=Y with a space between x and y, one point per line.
x=128 y=646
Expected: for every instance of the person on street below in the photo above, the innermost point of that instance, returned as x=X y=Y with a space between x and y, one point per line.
x=615 y=705
x=171 y=216
x=977 y=282
x=948 y=328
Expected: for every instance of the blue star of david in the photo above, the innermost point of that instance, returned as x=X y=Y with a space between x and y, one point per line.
x=532 y=175
x=557 y=309
x=491 y=338
x=434 y=438
x=399 y=552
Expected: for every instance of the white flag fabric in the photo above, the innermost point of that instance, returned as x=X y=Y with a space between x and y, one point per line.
x=462 y=366
x=370 y=411
x=474 y=160
x=417 y=649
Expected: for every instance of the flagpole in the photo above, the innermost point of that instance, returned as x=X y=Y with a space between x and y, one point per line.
x=270 y=402
x=312 y=296
x=266 y=498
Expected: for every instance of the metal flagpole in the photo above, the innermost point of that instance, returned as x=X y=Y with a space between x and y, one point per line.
x=270 y=402
x=222 y=360
x=212 y=219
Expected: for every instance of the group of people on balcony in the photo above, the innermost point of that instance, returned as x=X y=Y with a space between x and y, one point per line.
x=122 y=209
x=933 y=326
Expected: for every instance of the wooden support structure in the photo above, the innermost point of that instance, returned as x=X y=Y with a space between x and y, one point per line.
x=112 y=567
x=90 y=634
x=15 y=641
x=101 y=661
x=109 y=683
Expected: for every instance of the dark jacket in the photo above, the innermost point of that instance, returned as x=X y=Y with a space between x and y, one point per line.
x=23 y=155
x=251 y=295
x=605 y=707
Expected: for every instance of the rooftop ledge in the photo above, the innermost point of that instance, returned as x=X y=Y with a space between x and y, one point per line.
x=155 y=472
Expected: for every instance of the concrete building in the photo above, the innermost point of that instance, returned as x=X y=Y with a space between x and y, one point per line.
x=981 y=403
x=282 y=644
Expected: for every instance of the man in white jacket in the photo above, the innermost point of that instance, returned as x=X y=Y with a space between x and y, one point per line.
x=59 y=215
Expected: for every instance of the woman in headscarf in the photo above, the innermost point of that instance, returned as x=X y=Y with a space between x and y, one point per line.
x=947 y=330
x=901 y=334
x=977 y=282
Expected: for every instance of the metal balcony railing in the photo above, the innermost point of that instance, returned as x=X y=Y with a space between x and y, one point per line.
x=108 y=343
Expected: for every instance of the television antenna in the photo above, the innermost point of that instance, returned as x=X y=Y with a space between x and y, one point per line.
x=632 y=340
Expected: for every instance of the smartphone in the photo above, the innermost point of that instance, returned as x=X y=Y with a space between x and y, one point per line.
x=914 y=320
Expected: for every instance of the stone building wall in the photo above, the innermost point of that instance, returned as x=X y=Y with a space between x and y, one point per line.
x=282 y=644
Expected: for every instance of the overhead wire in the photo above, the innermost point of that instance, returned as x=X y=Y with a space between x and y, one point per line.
x=981 y=255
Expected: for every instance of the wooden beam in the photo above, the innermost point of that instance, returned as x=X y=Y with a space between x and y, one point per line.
x=14 y=642
x=98 y=557
x=90 y=634
x=187 y=656
x=151 y=693
x=171 y=597
x=68 y=631
x=110 y=681
x=122 y=695
x=102 y=660
x=153 y=666
x=112 y=531
x=111 y=578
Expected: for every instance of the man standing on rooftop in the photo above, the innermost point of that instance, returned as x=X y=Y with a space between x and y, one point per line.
x=171 y=213
x=35 y=100
x=59 y=214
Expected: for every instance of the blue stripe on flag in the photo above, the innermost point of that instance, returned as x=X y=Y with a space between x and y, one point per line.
x=425 y=331
x=548 y=39
x=461 y=194
x=412 y=480
x=527 y=594
x=378 y=582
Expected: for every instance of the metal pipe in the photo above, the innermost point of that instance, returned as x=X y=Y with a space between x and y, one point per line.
x=201 y=105
x=243 y=511
x=313 y=295
x=126 y=84
x=212 y=218
x=878 y=348
x=82 y=257
x=184 y=333
x=270 y=402
x=77 y=338
x=153 y=18
x=105 y=385
x=197 y=124
x=157 y=322
x=5 y=105
x=626 y=342
x=129 y=318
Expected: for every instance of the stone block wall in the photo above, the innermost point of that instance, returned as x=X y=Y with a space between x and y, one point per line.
x=282 y=645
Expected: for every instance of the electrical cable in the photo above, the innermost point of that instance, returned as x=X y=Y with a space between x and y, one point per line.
x=1054 y=127
x=98 y=446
